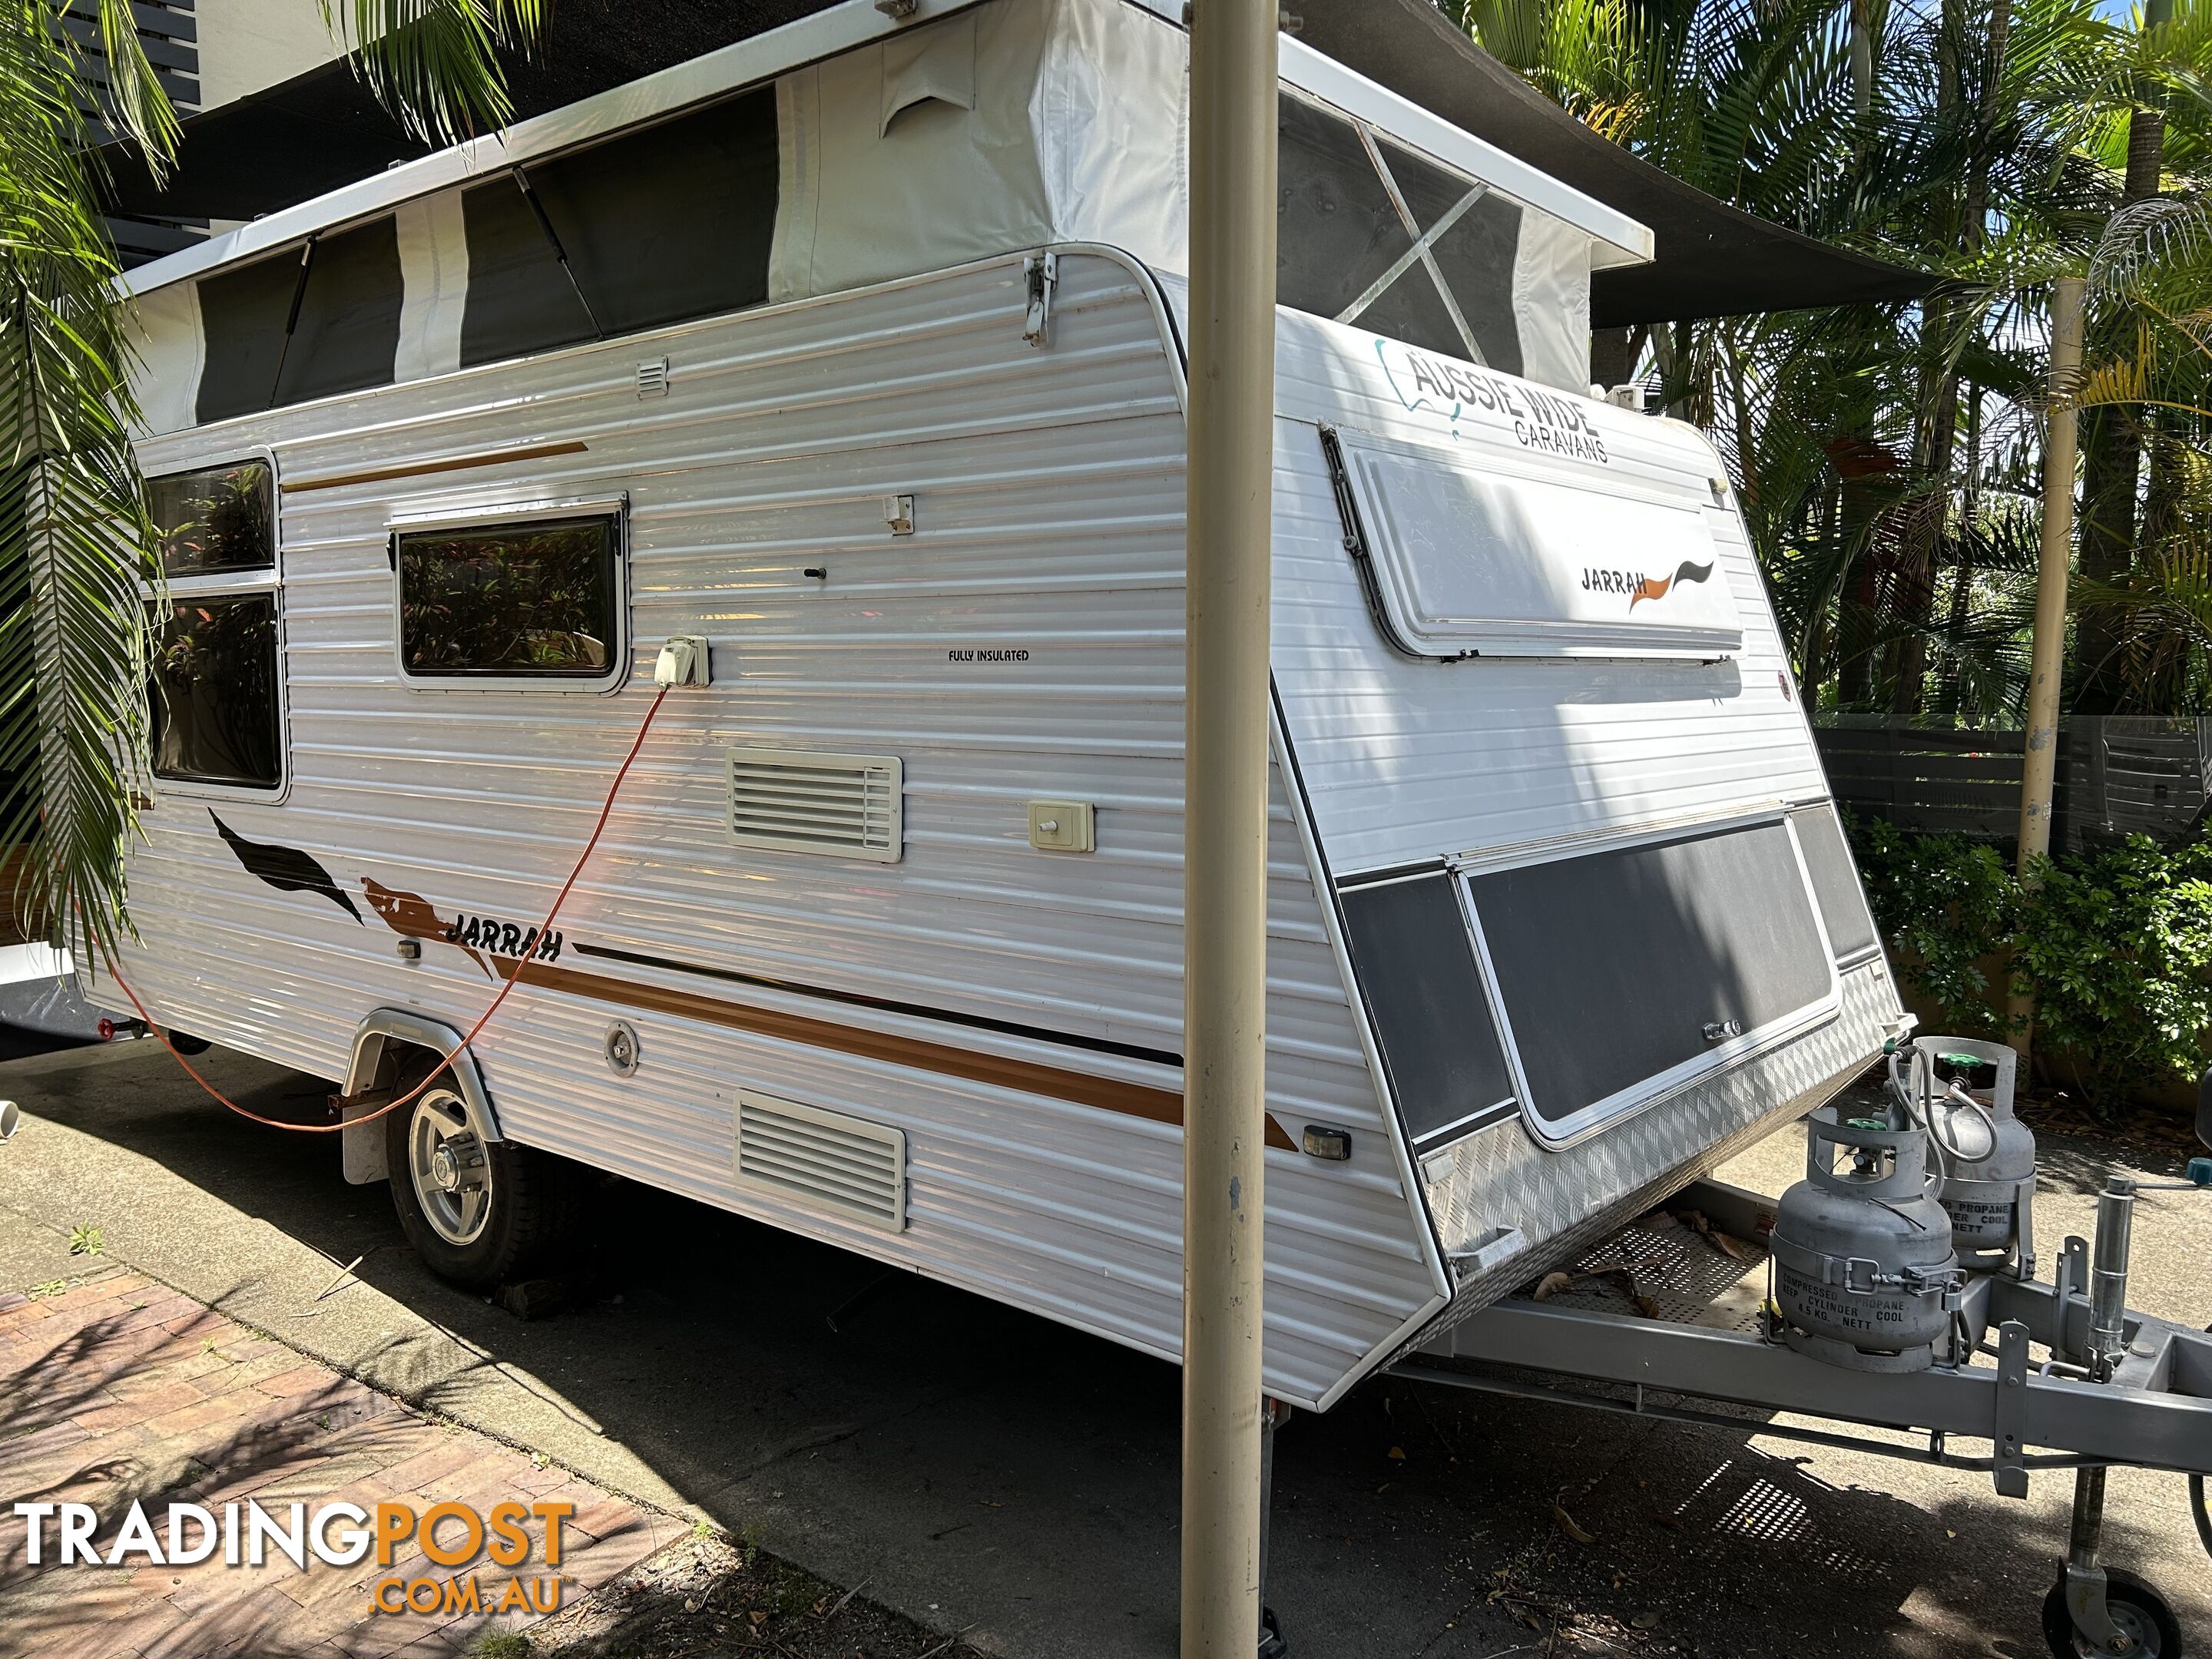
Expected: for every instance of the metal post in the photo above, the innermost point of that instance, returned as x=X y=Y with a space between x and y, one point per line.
x=1232 y=418
x=2108 y=1276
x=2061 y=449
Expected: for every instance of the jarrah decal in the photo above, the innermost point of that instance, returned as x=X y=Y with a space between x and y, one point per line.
x=1640 y=587
x=1541 y=419
x=412 y=916
x=504 y=939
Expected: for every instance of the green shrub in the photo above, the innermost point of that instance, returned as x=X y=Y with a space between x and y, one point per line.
x=1944 y=906
x=2115 y=946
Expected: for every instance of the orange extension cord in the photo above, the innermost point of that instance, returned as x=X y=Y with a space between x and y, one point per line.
x=613 y=789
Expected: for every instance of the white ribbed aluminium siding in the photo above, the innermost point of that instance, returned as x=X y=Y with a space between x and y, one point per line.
x=1049 y=500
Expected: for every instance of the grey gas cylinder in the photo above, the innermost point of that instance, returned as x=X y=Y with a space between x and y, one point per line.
x=1865 y=1274
x=1985 y=1166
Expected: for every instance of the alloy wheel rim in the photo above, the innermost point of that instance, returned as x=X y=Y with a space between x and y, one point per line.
x=451 y=1174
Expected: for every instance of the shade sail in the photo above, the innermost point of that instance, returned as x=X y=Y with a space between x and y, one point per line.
x=1709 y=259
x=322 y=130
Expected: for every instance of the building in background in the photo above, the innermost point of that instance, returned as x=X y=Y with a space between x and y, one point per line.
x=207 y=53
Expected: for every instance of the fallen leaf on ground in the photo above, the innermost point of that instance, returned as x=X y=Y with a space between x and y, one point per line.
x=1734 y=1250
x=1553 y=1285
x=1398 y=1454
x=1567 y=1525
x=1644 y=1621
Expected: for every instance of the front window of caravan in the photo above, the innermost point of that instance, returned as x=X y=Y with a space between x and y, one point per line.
x=1372 y=233
x=535 y=601
x=217 y=688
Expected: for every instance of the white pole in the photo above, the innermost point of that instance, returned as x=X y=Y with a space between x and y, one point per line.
x=1232 y=402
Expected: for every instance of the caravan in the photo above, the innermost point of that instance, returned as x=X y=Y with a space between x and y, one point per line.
x=841 y=370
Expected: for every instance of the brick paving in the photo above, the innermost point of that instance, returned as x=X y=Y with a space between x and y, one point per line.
x=119 y=1388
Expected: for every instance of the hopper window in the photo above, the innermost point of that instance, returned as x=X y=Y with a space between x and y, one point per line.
x=535 y=601
x=214 y=520
x=217 y=685
x=656 y=226
x=1626 y=972
x=313 y=321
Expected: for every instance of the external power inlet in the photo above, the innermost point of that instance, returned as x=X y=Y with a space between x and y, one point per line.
x=683 y=661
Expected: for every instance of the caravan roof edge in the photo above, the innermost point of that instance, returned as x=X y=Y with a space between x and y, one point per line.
x=825 y=34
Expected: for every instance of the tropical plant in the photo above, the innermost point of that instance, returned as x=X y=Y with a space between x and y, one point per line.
x=1888 y=458
x=2113 y=945
x=76 y=566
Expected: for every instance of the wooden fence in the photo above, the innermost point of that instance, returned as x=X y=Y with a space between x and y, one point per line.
x=2118 y=775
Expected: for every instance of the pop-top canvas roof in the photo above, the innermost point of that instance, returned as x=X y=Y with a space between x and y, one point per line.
x=844 y=151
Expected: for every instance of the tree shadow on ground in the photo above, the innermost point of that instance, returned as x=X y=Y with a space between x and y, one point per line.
x=934 y=1438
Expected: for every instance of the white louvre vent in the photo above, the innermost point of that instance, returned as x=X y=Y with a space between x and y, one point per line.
x=653 y=378
x=802 y=801
x=827 y=1158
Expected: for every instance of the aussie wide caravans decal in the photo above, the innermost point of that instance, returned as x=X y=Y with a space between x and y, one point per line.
x=1541 y=419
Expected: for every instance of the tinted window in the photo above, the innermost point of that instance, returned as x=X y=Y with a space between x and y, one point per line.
x=345 y=336
x=215 y=691
x=214 y=520
x=1613 y=965
x=534 y=600
x=1835 y=883
x=1415 y=963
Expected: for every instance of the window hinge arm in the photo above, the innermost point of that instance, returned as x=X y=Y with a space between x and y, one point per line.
x=292 y=317
x=553 y=242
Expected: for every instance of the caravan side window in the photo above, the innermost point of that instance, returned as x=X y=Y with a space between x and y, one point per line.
x=536 y=601
x=217 y=688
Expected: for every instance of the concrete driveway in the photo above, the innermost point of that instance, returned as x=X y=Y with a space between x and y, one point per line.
x=976 y=1468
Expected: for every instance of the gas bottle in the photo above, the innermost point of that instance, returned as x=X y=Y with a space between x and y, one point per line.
x=1984 y=1157
x=1865 y=1274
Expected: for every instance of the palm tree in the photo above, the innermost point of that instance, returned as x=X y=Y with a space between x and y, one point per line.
x=76 y=559
x=1887 y=456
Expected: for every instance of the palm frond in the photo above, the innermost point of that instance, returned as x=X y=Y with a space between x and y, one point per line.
x=436 y=64
x=73 y=528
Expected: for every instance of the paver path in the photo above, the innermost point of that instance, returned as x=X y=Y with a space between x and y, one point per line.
x=119 y=1387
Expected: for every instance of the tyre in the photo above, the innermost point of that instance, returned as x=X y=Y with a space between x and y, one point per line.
x=185 y=1043
x=2139 y=1611
x=479 y=1213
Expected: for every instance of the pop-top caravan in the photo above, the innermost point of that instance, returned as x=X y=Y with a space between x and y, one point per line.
x=854 y=350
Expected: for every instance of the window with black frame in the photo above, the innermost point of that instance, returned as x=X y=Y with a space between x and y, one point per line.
x=537 y=600
x=216 y=690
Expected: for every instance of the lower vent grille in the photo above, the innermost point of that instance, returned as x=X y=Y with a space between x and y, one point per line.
x=854 y=1167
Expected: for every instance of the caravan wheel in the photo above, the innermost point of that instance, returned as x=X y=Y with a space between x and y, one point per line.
x=479 y=1213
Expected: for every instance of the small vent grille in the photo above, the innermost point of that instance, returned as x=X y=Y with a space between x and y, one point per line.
x=801 y=1152
x=799 y=801
x=653 y=378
